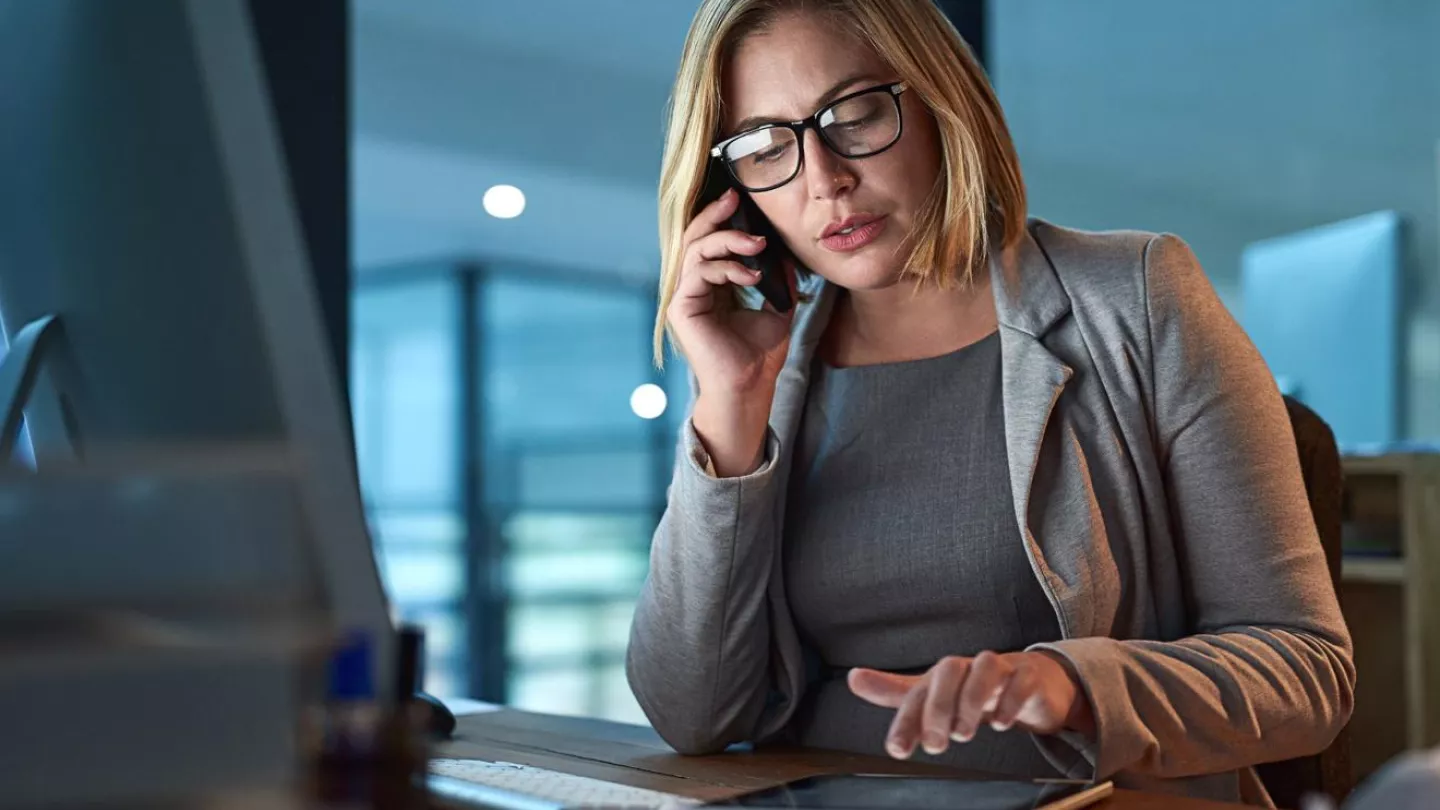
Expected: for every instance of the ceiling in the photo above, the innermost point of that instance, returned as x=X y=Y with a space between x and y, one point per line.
x=642 y=38
x=563 y=98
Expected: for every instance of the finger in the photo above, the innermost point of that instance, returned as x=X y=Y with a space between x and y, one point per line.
x=980 y=694
x=905 y=728
x=712 y=216
x=938 y=717
x=700 y=280
x=724 y=244
x=884 y=689
x=1019 y=691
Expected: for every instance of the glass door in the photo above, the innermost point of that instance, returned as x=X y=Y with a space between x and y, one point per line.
x=574 y=482
x=512 y=476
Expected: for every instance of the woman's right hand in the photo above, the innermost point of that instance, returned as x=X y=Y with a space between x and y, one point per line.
x=735 y=353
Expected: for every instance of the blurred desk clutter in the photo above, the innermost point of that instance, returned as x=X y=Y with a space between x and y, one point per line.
x=160 y=629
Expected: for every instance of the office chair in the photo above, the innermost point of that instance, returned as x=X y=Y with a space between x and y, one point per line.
x=1329 y=771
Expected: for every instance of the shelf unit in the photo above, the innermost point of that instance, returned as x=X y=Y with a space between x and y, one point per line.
x=1392 y=605
x=1376 y=571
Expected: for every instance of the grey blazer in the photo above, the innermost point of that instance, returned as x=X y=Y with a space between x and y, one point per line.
x=1157 y=488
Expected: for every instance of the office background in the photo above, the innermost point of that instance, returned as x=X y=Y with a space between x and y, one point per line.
x=512 y=486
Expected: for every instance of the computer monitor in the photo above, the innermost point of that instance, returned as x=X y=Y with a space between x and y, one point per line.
x=1323 y=307
x=145 y=206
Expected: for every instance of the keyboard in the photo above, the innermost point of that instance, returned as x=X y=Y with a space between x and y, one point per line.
x=473 y=782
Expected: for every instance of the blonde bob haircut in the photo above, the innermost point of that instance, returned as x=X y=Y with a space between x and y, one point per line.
x=979 y=200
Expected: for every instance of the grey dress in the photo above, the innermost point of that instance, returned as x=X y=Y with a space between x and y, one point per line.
x=945 y=573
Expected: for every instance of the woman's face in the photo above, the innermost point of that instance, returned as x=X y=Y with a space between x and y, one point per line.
x=786 y=73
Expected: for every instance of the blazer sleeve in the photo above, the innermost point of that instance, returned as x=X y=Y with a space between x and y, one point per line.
x=1268 y=673
x=700 y=645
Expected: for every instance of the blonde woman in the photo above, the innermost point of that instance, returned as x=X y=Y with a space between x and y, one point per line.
x=1022 y=497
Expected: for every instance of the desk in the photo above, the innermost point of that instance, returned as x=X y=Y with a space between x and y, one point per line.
x=634 y=755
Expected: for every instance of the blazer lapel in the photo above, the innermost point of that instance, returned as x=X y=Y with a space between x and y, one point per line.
x=1028 y=301
x=812 y=314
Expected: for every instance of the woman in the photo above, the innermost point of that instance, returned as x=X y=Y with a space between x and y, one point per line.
x=1022 y=496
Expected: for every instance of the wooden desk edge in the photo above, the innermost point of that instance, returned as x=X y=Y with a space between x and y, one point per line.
x=627 y=755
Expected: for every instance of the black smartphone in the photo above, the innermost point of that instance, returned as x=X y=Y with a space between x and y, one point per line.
x=770 y=261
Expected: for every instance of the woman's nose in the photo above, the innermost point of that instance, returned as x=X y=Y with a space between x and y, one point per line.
x=827 y=175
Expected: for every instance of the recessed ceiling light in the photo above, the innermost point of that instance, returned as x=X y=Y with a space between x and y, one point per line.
x=648 y=401
x=504 y=202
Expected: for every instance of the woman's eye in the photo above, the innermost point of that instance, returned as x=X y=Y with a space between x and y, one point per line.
x=768 y=155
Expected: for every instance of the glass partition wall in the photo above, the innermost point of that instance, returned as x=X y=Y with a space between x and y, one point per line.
x=511 y=481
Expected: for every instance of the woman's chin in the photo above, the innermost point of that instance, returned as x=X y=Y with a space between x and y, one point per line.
x=858 y=277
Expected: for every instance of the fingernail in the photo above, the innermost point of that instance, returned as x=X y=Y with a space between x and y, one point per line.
x=960 y=736
x=759 y=240
x=934 y=744
x=896 y=750
x=998 y=726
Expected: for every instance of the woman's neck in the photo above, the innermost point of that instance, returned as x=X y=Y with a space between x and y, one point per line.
x=899 y=323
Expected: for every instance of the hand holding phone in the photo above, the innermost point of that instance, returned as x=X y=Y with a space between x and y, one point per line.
x=769 y=262
x=736 y=352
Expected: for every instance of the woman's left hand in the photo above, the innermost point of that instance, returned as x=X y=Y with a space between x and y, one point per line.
x=1031 y=690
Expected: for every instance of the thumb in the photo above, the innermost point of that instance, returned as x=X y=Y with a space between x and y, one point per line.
x=881 y=688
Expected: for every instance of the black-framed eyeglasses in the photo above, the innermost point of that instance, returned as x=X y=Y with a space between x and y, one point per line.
x=857 y=125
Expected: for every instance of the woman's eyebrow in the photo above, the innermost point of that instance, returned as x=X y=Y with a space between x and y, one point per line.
x=825 y=98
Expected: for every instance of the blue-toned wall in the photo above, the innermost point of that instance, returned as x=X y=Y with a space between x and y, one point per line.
x=1232 y=121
